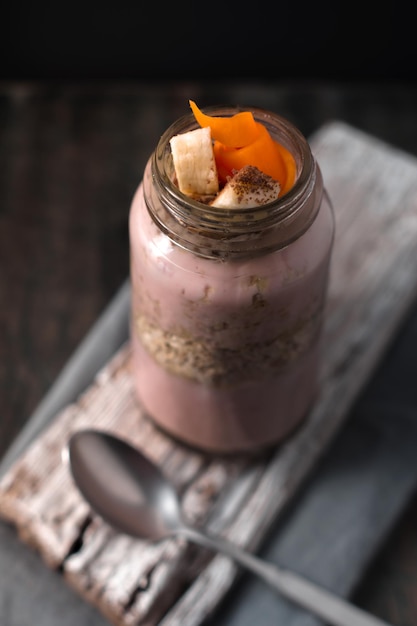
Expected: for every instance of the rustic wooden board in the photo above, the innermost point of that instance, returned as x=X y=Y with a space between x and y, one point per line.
x=373 y=188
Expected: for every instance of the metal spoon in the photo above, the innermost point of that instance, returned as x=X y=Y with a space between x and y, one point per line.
x=131 y=493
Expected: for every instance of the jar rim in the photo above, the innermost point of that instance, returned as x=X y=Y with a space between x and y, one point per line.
x=229 y=227
x=289 y=134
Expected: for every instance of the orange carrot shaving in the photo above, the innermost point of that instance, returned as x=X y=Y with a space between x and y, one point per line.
x=235 y=132
x=240 y=140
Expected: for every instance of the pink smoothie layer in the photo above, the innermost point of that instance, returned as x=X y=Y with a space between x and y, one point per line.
x=226 y=353
x=247 y=417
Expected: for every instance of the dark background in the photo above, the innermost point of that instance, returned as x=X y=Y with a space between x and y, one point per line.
x=49 y=40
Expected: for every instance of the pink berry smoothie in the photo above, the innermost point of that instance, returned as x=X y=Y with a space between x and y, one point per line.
x=226 y=351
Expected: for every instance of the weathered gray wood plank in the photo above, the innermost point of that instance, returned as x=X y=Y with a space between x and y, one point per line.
x=373 y=282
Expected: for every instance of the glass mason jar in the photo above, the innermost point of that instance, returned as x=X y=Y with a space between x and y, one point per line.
x=228 y=304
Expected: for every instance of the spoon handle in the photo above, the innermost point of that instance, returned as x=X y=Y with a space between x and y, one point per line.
x=326 y=605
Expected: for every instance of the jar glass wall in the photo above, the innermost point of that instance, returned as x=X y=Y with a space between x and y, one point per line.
x=227 y=306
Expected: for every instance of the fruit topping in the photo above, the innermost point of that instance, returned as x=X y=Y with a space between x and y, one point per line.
x=194 y=163
x=231 y=161
x=249 y=187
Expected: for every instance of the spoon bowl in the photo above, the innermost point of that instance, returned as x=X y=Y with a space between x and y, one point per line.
x=132 y=494
x=123 y=486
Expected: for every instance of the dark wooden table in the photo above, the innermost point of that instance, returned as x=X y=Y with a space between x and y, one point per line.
x=71 y=157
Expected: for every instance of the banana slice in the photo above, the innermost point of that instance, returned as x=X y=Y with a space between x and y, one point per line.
x=248 y=188
x=194 y=163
